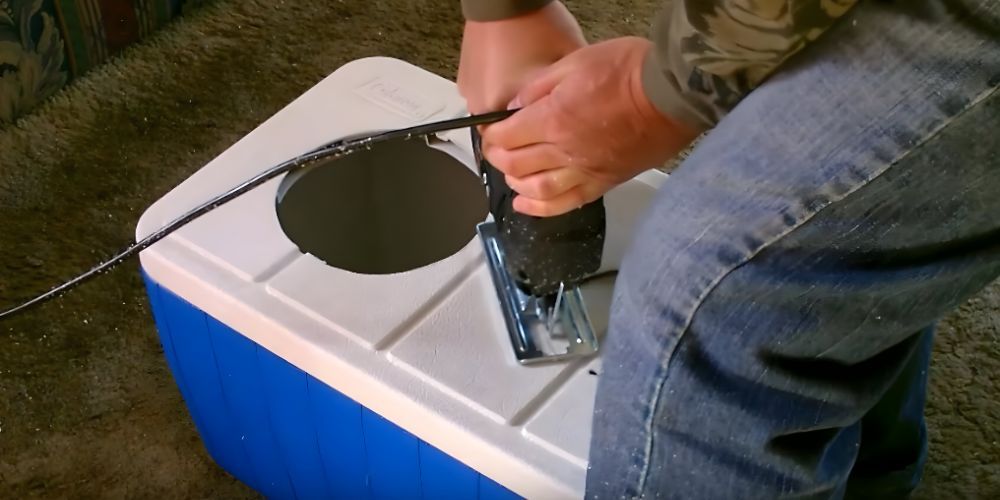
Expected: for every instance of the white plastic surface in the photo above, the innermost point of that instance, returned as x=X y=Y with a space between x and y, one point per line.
x=427 y=349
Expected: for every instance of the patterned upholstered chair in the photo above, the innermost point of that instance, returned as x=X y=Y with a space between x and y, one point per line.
x=45 y=44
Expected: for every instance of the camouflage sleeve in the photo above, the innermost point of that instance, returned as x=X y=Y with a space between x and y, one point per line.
x=710 y=54
x=493 y=10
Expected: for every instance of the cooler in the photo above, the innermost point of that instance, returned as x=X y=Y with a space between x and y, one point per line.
x=335 y=332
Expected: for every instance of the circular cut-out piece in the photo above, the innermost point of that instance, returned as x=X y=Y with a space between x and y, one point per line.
x=396 y=207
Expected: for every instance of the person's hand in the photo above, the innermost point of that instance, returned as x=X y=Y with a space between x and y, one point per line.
x=585 y=125
x=498 y=56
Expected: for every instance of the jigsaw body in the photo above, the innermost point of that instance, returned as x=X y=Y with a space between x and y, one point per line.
x=538 y=264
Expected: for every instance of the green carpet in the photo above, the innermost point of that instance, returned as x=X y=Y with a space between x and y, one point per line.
x=87 y=406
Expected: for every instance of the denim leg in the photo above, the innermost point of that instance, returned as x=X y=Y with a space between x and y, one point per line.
x=771 y=298
x=893 y=433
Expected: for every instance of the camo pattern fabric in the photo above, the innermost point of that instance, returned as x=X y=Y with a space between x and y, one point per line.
x=712 y=53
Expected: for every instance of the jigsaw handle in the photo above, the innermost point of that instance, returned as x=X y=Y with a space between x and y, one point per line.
x=542 y=252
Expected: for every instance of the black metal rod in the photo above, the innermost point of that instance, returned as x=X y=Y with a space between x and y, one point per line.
x=336 y=149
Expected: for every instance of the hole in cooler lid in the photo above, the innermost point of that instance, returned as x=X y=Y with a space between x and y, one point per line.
x=397 y=207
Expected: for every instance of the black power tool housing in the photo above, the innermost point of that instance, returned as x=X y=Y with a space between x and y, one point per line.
x=542 y=252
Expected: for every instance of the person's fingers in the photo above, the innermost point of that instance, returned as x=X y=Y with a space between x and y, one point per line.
x=566 y=202
x=528 y=124
x=523 y=128
x=548 y=184
x=527 y=160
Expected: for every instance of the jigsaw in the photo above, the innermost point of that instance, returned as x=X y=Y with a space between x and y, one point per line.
x=537 y=265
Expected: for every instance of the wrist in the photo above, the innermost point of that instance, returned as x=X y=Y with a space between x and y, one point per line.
x=644 y=92
x=499 y=10
x=663 y=91
x=551 y=29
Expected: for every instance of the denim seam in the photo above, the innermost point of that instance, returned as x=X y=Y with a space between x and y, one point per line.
x=664 y=365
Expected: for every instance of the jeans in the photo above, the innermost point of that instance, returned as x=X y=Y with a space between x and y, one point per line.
x=771 y=326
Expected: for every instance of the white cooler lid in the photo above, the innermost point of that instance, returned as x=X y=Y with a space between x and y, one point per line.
x=427 y=349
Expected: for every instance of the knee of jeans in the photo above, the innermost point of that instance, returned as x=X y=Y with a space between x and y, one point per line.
x=669 y=269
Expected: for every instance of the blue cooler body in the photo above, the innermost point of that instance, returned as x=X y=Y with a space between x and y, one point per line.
x=287 y=434
x=307 y=380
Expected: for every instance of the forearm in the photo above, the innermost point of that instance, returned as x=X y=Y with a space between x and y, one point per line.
x=494 y=10
x=708 y=54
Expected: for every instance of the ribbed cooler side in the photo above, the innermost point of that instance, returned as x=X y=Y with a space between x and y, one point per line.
x=288 y=435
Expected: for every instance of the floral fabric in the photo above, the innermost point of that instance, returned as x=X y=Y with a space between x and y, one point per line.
x=44 y=44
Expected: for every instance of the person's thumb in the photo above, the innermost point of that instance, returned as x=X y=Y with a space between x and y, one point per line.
x=539 y=85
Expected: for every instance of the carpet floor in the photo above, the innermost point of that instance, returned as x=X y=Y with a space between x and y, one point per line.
x=87 y=405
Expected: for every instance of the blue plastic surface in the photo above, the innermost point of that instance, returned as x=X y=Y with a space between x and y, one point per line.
x=288 y=435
